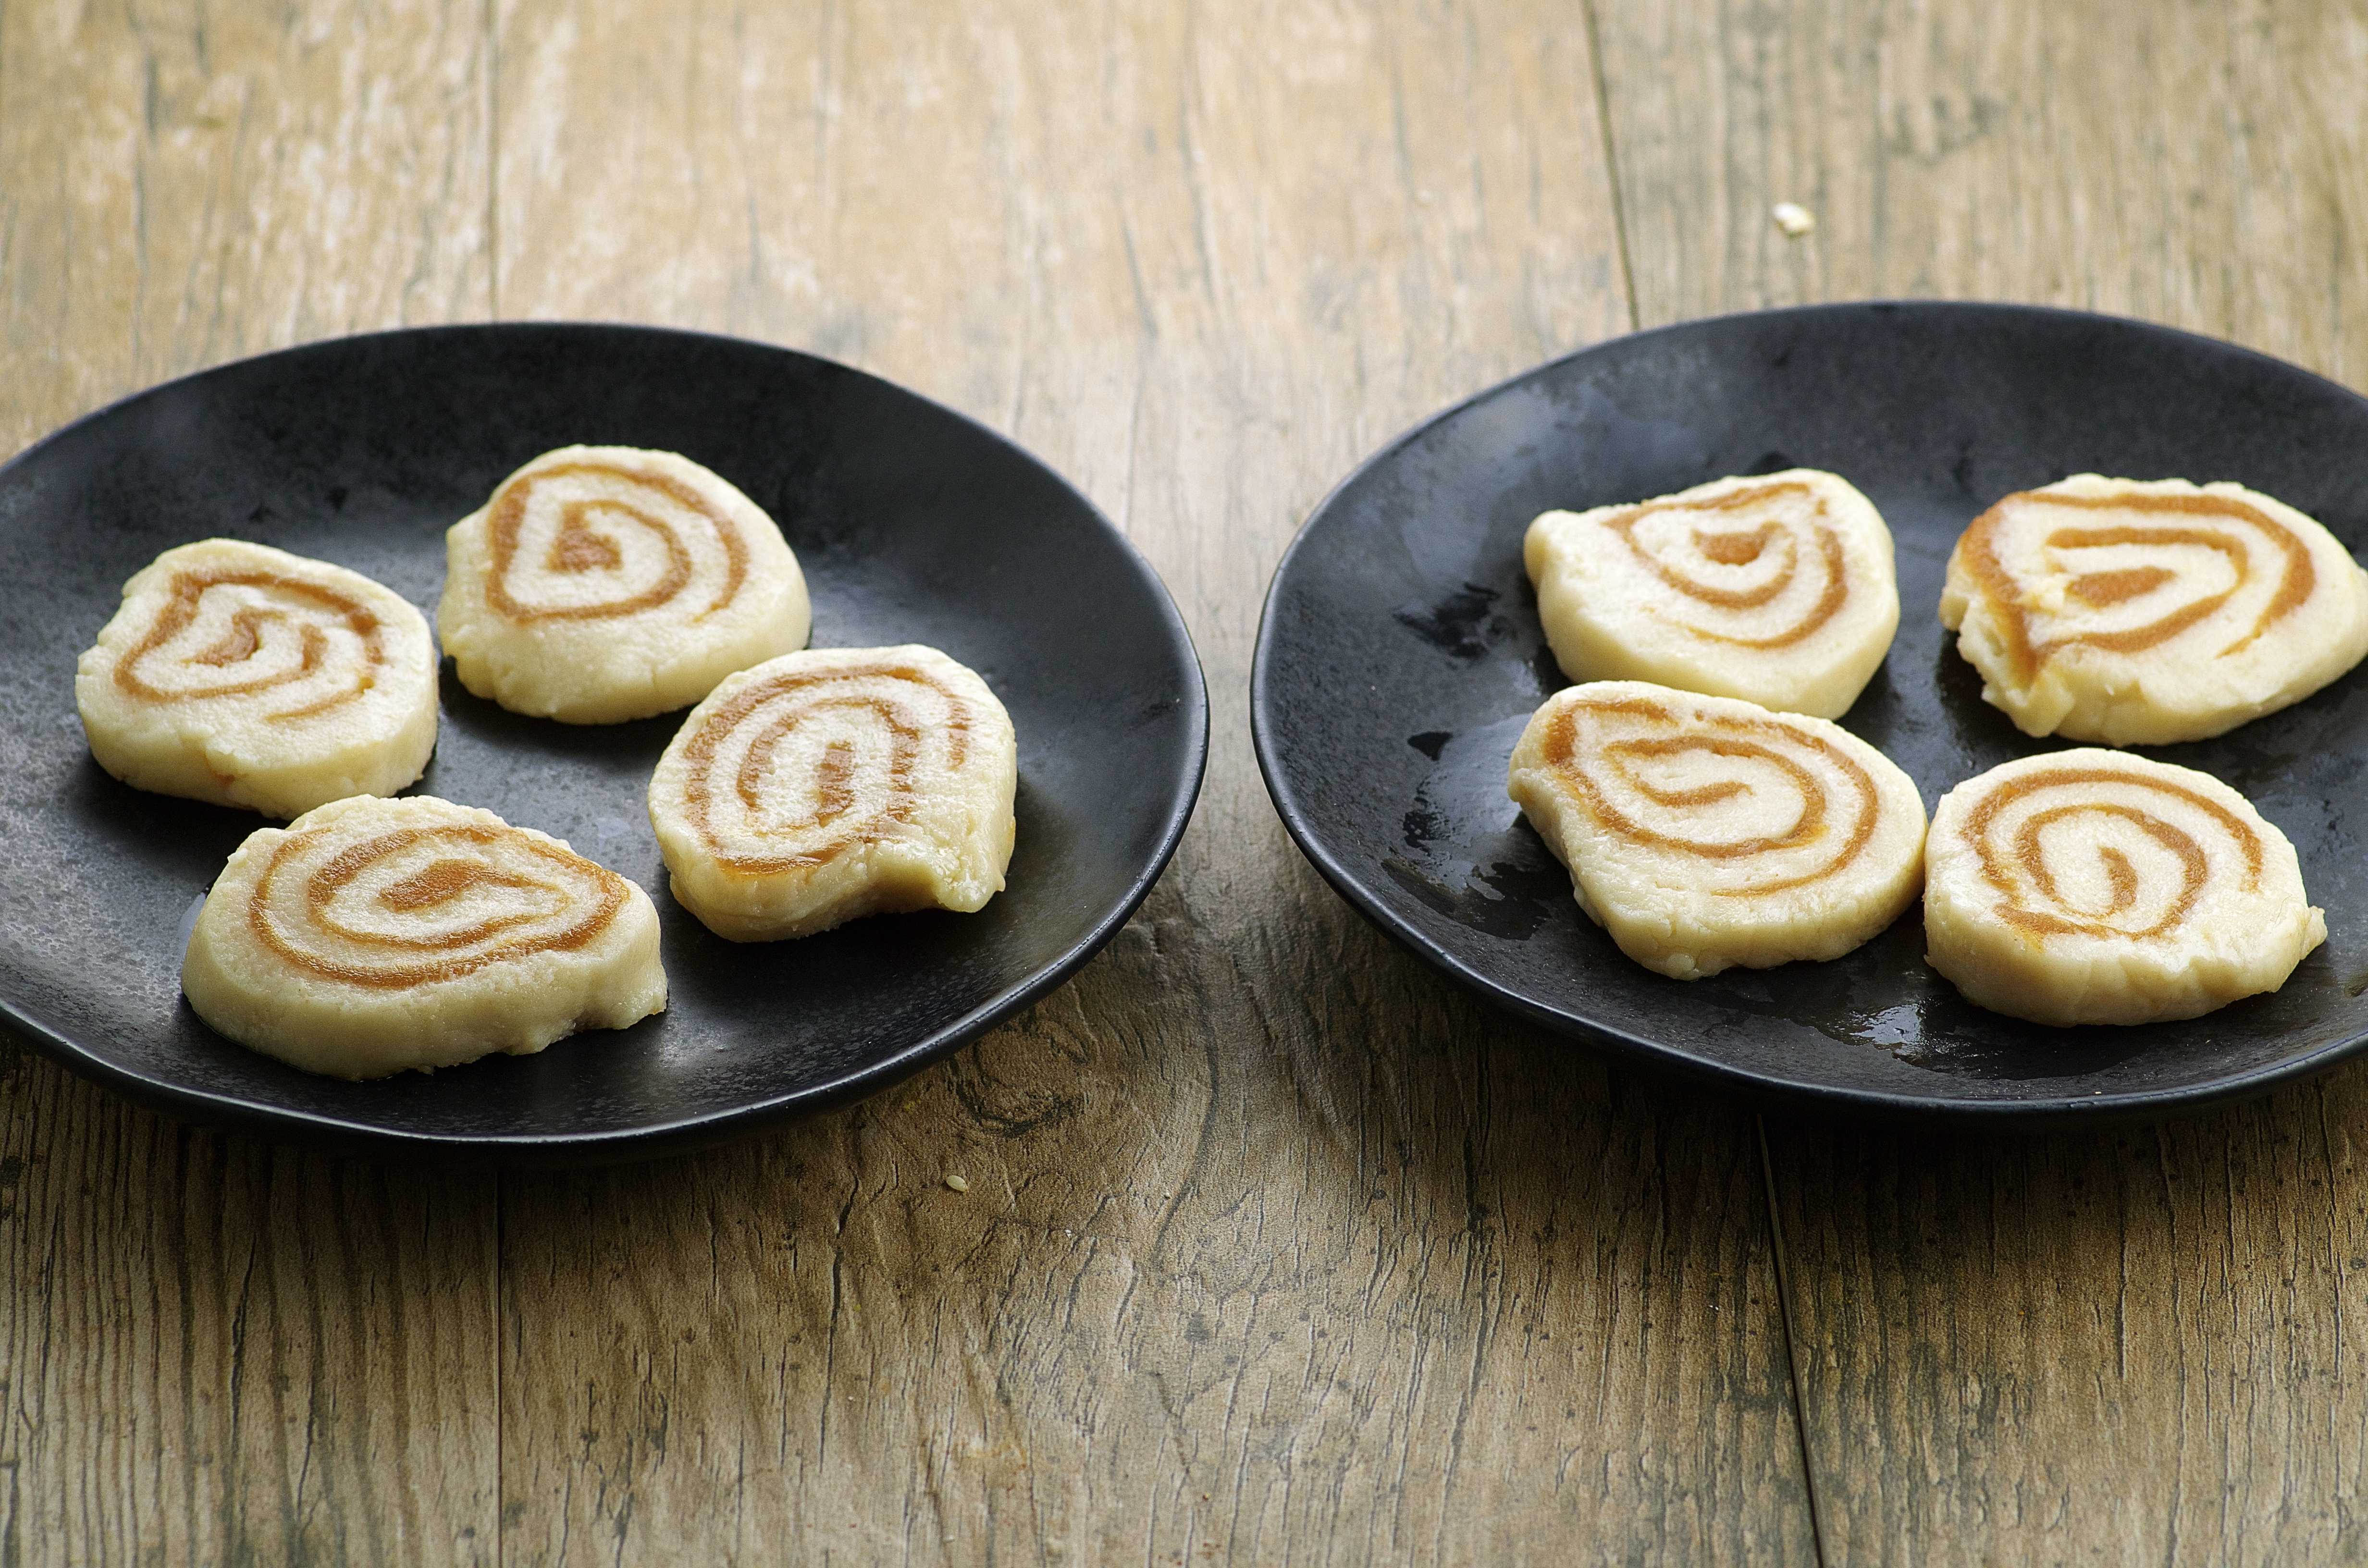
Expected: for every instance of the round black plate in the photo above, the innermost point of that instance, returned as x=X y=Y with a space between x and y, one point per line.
x=912 y=525
x=1400 y=655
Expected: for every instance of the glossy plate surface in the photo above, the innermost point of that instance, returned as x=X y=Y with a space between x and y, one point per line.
x=912 y=525
x=1400 y=655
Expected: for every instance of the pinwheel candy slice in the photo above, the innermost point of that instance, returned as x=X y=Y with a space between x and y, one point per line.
x=1704 y=832
x=2094 y=887
x=1777 y=589
x=372 y=936
x=601 y=583
x=2145 y=613
x=835 y=783
x=247 y=677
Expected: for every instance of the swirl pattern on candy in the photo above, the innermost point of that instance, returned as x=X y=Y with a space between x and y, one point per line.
x=827 y=785
x=2094 y=887
x=1777 y=589
x=373 y=936
x=601 y=583
x=1704 y=833
x=2146 y=613
x=246 y=675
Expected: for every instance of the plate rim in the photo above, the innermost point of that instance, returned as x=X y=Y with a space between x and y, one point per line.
x=1776 y=1092
x=349 y=1138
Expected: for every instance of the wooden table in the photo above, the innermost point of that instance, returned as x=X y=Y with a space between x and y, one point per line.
x=1276 y=1247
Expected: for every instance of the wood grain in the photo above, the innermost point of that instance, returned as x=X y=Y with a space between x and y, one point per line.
x=216 y=1350
x=2191 y=163
x=181 y=185
x=1274 y=1248
x=2117 y=1347
x=2122 y=1346
x=213 y=1350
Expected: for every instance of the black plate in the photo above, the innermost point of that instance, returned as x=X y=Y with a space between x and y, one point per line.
x=912 y=525
x=1400 y=655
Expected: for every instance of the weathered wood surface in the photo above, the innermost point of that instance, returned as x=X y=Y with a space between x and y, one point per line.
x=1275 y=1248
x=2133 y=1345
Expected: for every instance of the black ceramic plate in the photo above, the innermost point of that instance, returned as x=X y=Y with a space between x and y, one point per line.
x=912 y=525
x=1400 y=655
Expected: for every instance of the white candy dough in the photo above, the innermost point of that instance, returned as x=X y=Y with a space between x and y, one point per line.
x=371 y=936
x=1777 y=588
x=247 y=677
x=2144 y=613
x=2094 y=887
x=1704 y=832
x=836 y=783
x=601 y=583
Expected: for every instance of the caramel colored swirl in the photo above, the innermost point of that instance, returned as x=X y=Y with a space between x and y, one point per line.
x=1776 y=589
x=2095 y=886
x=2147 y=612
x=586 y=540
x=2200 y=559
x=1752 y=805
x=797 y=767
x=381 y=906
x=1704 y=833
x=2126 y=851
x=1727 y=558
x=224 y=633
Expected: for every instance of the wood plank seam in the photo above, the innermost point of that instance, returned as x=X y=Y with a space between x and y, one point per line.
x=1759 y=1129
x=1612 y=167
x=1791 y=1352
